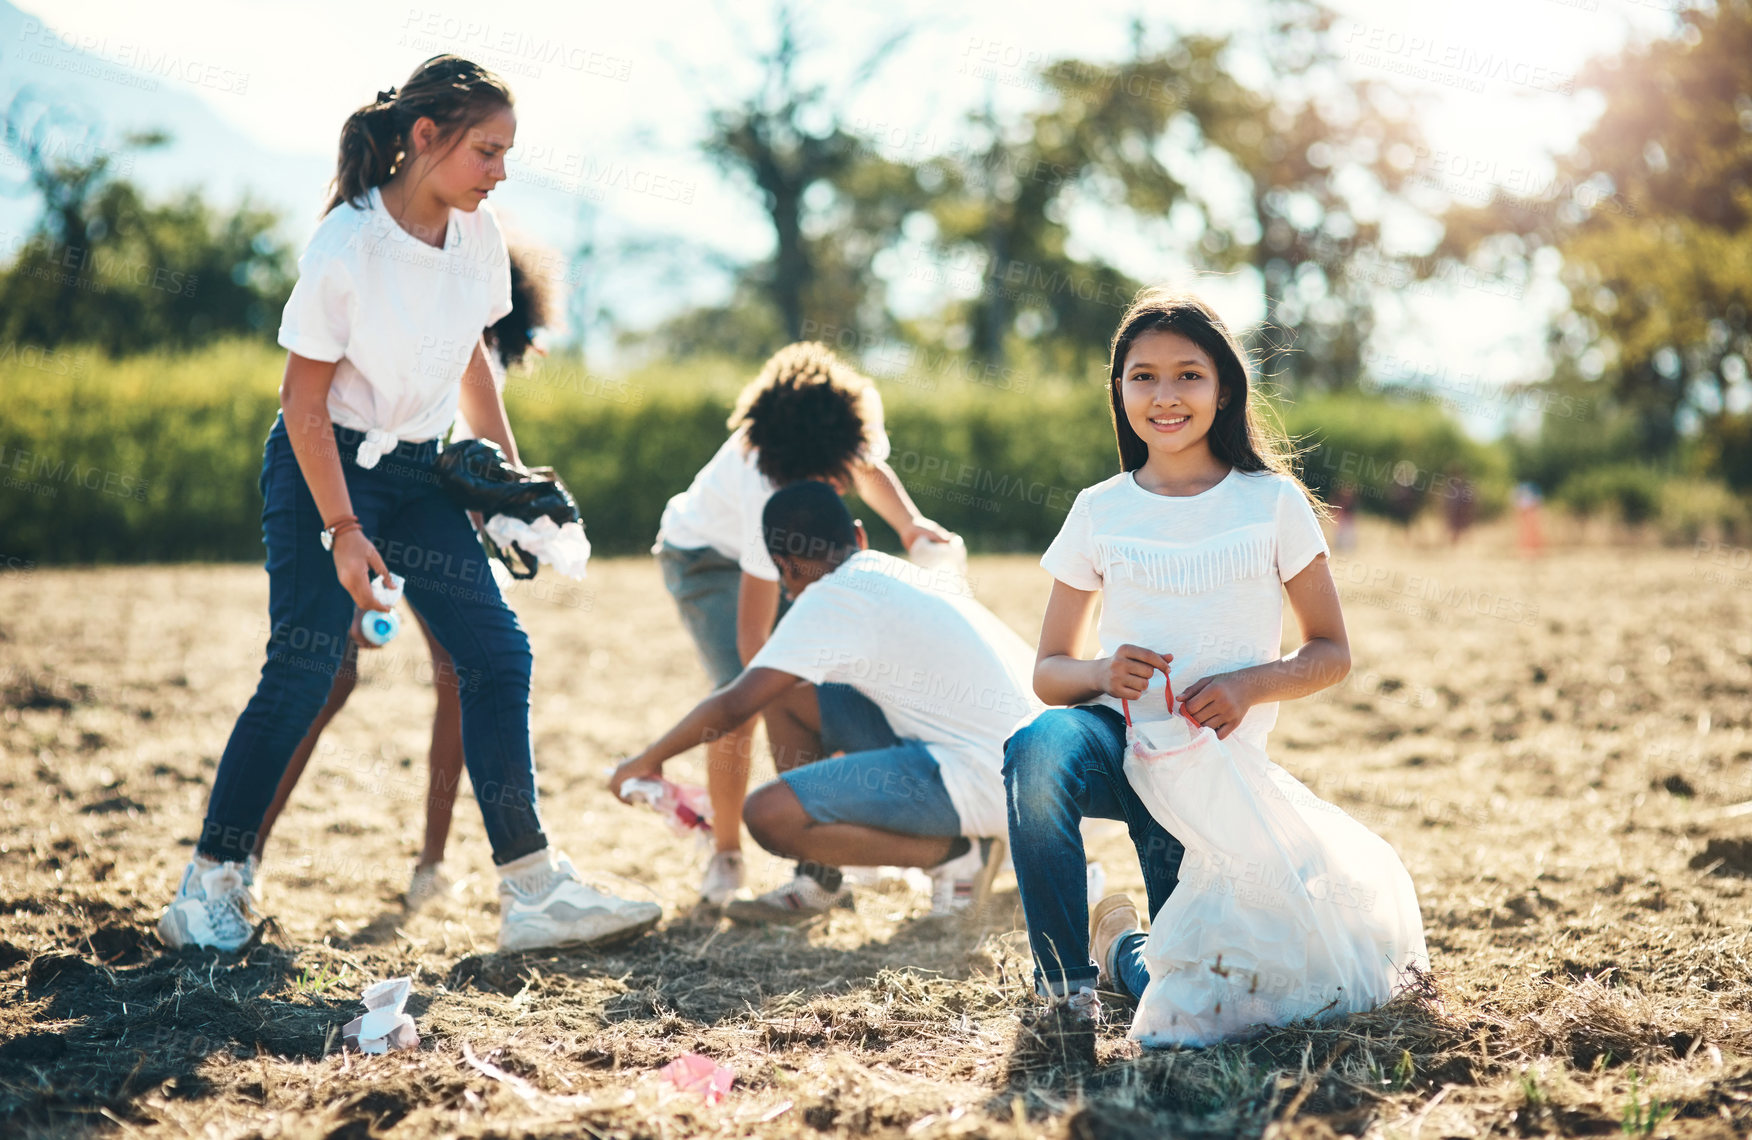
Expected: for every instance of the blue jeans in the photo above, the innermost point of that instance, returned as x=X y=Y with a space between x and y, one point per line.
x=1064 y=766
x=427 y=540
x=881 y=781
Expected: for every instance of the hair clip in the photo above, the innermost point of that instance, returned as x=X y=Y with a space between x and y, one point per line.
x=386 y=96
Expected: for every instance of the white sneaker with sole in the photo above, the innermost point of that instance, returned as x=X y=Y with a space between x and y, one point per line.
x=428 y=884
x=799 y=900
x=549 y=905
x=724 y=877
x=963 y=884
x=212 y=908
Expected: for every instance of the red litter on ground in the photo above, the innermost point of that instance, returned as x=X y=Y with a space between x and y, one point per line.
x=692 y=1072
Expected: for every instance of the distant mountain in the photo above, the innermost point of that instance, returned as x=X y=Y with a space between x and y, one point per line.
x=125 y=95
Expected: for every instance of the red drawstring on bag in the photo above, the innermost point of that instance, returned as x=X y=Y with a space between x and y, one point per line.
x=1168 y=693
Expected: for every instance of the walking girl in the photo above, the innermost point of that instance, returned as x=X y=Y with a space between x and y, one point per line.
x=508 y=343
x=1190 y=550
x=383 y=333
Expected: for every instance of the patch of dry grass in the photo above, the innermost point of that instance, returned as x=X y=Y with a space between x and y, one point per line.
x=1558 y=764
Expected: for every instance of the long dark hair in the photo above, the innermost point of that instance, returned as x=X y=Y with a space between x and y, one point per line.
x=1243 y=434
x=451 y=91
x=531 y=300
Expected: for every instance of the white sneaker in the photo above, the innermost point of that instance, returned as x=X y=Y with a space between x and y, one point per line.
x=550 y=906
x=427 y=884
x=963 y=884
x=724 y=877
x=799 y=900
x=212 y=908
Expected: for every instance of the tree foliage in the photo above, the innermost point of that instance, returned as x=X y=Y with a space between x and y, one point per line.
x=1653 y=219
x=105 y=267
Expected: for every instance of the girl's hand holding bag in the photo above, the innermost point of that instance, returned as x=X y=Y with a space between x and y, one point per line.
x=1286 y=906
x=528 y=510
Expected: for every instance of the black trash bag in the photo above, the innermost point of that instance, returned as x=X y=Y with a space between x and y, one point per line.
x=476 y=476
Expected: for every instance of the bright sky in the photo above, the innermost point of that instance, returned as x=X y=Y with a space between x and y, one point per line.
x=613 y=95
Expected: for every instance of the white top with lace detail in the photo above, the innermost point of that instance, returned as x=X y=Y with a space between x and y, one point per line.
x=1198 y=576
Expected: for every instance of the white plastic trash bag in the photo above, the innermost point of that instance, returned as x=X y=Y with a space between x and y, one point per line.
x=1286 y=906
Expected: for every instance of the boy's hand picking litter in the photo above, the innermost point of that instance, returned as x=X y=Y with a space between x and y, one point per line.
x=633 y=768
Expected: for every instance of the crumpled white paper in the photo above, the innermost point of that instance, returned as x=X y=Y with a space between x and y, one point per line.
x=384 y=1026
x=564 y=548
x=388 y=590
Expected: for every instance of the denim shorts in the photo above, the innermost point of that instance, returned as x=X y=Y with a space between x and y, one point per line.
x=707 y=586
x=881 y=781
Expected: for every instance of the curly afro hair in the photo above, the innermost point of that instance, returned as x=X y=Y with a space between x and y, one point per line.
x=808 y=414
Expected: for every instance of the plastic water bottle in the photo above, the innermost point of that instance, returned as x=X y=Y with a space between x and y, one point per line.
x=379 y=627
x=686 y=809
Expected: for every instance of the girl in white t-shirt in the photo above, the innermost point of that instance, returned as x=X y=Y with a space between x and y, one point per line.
x=808 y=415
x=1190 y=550
x=508 y=341
x=383 y=331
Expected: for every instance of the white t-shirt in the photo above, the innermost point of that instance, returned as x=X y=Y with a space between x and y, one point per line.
x=399 y=316
x=721 y=507
x=943 y=669
x=1199 y=576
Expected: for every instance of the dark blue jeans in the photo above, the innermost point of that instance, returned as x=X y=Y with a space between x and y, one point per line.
x=427 y=540
x=1065 y=766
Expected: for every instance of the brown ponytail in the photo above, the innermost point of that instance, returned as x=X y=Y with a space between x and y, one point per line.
x=453 y=92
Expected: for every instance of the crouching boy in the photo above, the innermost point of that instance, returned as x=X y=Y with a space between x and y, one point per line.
x=888 y=692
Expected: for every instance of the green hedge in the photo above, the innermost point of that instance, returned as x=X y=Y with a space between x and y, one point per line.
x=1398 y=457
x=156 y=457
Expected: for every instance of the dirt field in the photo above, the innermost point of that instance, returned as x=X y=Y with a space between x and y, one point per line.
x=1556 y=749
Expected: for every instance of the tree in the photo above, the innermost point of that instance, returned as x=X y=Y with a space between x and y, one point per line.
x=789 y=138
x=105 y=267
x=1652 y=214
x=1003 y=207
x=1122 y=134
x=1312 y=147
